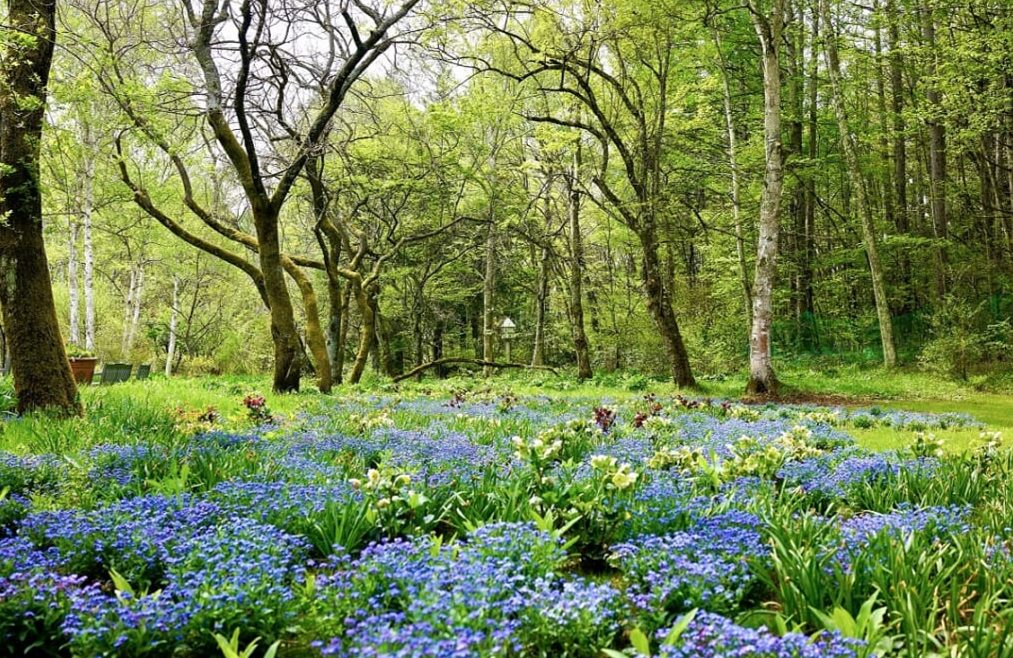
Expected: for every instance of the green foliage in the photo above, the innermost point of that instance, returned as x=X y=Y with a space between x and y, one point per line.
x=76 y=352
x=869 y=626
x=957 y=342
x=340 y=527
x=230 y=646
x=8 y=398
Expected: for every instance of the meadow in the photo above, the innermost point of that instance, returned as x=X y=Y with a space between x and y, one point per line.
x=516 y=517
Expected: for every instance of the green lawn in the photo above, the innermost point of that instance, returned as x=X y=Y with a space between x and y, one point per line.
x=996 y=411
x=897 y=389
x=884 y=438
x=137 y=408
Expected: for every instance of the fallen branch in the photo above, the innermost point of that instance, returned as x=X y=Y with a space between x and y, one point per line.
x=478 y=362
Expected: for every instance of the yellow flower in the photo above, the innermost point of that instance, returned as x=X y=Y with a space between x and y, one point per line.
x=624 y=478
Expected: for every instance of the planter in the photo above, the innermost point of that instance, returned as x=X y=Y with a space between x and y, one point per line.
x=83 y=369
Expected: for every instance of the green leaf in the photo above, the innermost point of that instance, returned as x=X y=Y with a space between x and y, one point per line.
x=640 y=642
x=680 y=627
x=845 y=623
x=120 y=583
x=434 y=546
x=228 y=647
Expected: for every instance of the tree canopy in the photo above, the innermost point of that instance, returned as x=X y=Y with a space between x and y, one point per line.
x=342 y=187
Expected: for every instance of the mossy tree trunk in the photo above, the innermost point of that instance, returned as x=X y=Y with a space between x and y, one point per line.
x=659 y=305
x=42 y=376
x=578 y=266
x=288 y=353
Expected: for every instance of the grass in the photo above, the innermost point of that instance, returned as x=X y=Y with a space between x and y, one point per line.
x=902 y=389
x=130 y=411
x=995 y=411
x=955 y=441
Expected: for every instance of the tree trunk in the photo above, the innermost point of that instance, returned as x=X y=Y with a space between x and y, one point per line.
x=4 y=355
x=1004 y=218
x=577 y=266
x=335 y=318
x=74 y=320
x=937 y=149
x=795 y=48
x=659 y=305
x=346 y=303
x=418 y=346
x=1007 y=158
x=288 y=354
x=733 y=162
x=761 y=369
x=899 y=140
x=170 y=353
x=885 y=179
x=87 y=209
x=541 y=307
x=135 y=314
x=128 y=305
x=441 y=372
x=810 y=334
x=897 y=113
x=383 y=351
x=366 y=331
x=1008 y=152
x=314 y=332
x=850 y=149
x=42 y=376
x=488 y=285
x=374 y=349
x=332 y=349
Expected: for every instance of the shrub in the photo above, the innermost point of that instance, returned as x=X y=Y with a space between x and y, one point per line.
x=957 y=342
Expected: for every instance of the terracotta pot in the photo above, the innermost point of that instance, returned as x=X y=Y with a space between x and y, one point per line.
x=83 y=369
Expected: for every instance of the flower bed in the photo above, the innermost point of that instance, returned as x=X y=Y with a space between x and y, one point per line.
x=490 y=525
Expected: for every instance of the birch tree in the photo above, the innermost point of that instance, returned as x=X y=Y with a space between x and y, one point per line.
x=769 y=24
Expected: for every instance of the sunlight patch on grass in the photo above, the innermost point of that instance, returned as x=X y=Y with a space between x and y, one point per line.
x=955 y=441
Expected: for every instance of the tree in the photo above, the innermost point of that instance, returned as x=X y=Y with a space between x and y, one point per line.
x=266 y=127
x=577 y=265
x=733 y=166
x=170 y=352
x=937 y=145
x=858 y=184
x=769 y=27
x=891 y=158
x=42 y=376
x=626 y=93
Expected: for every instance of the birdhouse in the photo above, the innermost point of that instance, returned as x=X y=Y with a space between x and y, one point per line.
x=507 y=328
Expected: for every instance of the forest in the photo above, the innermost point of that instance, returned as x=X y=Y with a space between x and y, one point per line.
x=506 y=329
x=674 y=188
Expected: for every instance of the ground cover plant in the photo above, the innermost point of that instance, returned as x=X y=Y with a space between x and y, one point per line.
x=495 y=519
